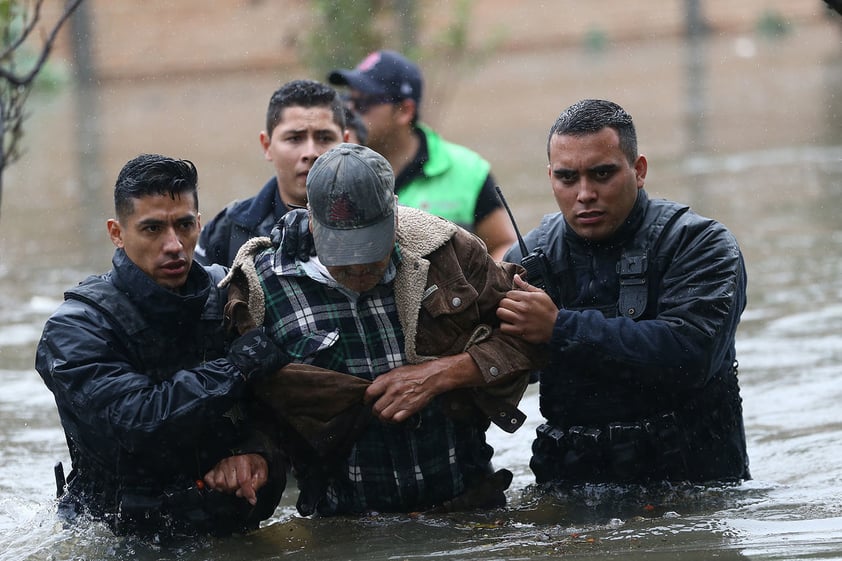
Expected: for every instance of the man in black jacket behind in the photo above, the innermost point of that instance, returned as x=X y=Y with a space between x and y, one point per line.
x=148 y=389
x=642 y=381
x=304 y=119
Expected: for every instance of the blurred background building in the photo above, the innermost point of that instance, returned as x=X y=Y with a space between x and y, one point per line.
x=142 y=38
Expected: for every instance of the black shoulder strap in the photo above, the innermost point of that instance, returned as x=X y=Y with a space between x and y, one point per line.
x=214 y=308
x=633 y=267
x=101 y=294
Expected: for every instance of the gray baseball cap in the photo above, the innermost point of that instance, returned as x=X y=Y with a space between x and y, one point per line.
x=351 y=196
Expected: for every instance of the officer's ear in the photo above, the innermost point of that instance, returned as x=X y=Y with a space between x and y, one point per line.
x=265 y=142
x=640 y=168
x=115 y=232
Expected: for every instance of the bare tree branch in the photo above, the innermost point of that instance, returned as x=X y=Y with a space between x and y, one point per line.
x=24 y=34
x=27 y=78
x=14 y=87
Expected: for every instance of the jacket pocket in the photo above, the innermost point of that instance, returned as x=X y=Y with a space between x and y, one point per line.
x=447 y=318
x=455 y=298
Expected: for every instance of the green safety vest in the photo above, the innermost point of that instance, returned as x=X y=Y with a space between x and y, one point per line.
x=452 y=181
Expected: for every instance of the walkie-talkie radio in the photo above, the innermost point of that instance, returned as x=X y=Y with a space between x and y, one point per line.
x=536 y=263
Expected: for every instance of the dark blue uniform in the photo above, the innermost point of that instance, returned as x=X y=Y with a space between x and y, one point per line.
x=642 y=381
x=240 y=221
x=149 y=403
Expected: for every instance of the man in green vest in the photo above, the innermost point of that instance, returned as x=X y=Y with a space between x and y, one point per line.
x=431 y=173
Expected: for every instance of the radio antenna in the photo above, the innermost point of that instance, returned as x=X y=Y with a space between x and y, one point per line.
x=523 y=250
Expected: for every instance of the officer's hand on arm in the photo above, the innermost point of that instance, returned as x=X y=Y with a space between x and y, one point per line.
x=292 y=235
x=256 y=355
x=527 y=312
x=242 y=475
x=397 y=395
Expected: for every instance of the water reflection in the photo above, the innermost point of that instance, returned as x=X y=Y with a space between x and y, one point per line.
x=754 y=142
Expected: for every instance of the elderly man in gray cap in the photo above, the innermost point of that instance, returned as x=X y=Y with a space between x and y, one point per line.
x=404 y=302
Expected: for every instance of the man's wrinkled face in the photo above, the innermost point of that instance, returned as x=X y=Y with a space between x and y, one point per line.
x=159 y=236
x=302 y=135
x=594 y=184
x=360 y=278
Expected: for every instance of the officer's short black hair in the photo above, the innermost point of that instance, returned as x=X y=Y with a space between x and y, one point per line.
x=589 y=116
x=153 y=174
x=303 y=93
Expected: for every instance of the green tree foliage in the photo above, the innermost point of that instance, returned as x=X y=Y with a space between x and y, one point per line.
x=347 y=30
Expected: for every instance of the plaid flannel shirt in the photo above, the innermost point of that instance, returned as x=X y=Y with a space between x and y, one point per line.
x=393 y=467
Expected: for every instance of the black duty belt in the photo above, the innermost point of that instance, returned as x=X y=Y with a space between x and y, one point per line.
x=616 y=451
x=578 y=436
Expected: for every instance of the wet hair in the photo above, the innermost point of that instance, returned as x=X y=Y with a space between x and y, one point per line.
x=590 y=116
x=354 y=122
x=153 y=174
x=303 y=93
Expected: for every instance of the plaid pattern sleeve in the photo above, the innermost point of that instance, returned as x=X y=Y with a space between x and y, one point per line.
x=392 y=468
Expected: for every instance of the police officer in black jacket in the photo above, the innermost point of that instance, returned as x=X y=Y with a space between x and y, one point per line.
x=149 y=388
x=303 y=120
x=642 y=381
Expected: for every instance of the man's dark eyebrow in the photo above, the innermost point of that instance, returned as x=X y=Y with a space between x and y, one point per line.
x=306 y=129
x=564 y=171
x=150 y=222
x=318 y=132
x=158 y=222
x=603 y=168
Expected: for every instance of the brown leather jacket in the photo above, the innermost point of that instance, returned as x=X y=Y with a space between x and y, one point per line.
x=447 y=289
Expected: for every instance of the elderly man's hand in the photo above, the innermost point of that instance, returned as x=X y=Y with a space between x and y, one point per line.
x=242 y=475
x=398 y=395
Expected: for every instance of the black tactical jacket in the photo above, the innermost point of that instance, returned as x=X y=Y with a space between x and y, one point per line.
x=654 y=377
x=146 y=397
x=240 y=221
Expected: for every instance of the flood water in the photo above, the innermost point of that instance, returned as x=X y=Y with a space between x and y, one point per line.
x=745 y=129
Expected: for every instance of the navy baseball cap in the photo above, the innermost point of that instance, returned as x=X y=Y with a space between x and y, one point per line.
x=351 y=196
x=383 y=73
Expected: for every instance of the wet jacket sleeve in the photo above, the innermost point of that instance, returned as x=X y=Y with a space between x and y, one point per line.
x=691 y=336
x=500 y=357
x=461 y=315
x=100 y=392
